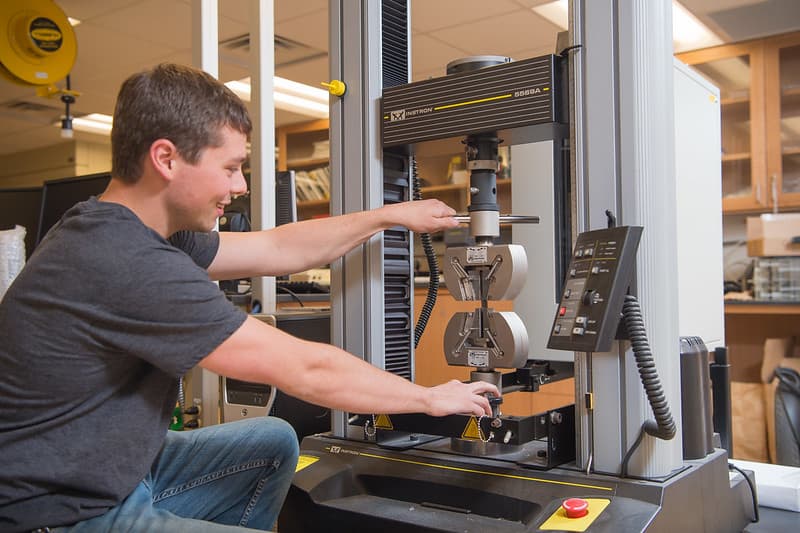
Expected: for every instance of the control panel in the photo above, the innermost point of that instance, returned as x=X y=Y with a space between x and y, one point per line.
x=598 y=277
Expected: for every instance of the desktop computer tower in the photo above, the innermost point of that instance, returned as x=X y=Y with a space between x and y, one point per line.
x=241 y=399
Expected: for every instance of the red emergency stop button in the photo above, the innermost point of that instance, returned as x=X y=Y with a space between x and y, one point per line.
x=575 y=507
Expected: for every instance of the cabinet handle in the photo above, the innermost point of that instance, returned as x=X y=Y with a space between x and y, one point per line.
x=758 y=193
x=773 y=183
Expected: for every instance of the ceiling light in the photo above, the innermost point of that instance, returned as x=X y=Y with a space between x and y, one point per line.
x=91 y=123
x=556 y=12
x=289 y=96
x=73 y=21
x=688 y=33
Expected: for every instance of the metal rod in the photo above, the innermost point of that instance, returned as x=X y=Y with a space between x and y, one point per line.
x=504 y=219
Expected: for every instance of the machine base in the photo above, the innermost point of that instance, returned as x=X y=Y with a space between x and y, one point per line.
x=346 y=485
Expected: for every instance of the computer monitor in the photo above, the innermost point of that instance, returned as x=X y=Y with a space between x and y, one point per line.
x=21 y=207
x=58 y=196
x=237 y=215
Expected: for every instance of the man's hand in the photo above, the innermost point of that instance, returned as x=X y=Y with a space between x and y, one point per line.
x=422 y=216
x=455 y=397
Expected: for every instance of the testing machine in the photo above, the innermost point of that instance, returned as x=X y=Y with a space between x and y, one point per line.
x=613 y=460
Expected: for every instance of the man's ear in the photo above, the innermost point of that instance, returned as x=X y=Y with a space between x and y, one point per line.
x=163 y=155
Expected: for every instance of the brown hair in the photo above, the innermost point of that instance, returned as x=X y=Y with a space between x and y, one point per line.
x=185 y=105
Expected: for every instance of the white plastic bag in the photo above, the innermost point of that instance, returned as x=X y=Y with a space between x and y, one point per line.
x=12 y=256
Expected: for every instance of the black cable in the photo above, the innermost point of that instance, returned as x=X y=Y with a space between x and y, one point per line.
x=632 y=449
x=611 y=219
x=433 y=264
x=291 y=293
x=568 y=49
x=663 y=427
x=756 y=517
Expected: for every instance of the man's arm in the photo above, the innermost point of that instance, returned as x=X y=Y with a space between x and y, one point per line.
x=296 y=247
x=325 y=375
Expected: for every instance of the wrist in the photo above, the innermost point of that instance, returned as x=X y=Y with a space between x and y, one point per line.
x=428 y=401
x=388 y=216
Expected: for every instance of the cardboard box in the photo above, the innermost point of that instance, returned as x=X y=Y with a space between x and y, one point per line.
x=753 y=404
x=771 y=235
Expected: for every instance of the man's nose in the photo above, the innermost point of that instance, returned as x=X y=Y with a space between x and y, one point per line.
x=238 y=185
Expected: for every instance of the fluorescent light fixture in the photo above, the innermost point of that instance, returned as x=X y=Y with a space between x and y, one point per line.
x=556 y=12
x=688 y=33
x=91 y=123
x=289 y=96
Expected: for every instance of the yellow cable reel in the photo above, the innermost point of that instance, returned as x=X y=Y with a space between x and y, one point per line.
x=37 y=42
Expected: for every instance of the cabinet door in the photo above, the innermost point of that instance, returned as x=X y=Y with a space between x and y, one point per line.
x=738 y=72
x=783 y=120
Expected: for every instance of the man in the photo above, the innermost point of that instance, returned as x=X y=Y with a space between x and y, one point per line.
x=117 y=303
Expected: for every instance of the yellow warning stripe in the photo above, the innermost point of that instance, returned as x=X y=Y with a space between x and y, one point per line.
x=470 y=102
x=496 y=474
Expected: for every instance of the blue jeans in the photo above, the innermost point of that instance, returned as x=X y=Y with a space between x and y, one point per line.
x=226 y=478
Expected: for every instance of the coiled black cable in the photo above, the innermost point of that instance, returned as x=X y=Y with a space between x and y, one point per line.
x=433 y=264
x=663 y=427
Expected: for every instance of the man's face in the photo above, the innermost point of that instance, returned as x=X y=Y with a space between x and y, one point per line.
x=202 y=191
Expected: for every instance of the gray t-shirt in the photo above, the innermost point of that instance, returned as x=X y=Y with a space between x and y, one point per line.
x=97 y=329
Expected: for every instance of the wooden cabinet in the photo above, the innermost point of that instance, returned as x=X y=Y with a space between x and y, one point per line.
x=759 y=84
x=782 y=65
x=298 y=150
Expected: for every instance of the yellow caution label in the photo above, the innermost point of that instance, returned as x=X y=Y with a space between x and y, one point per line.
x=383 y=422
x=304 y=461
x=559 y=521
x=473 y=430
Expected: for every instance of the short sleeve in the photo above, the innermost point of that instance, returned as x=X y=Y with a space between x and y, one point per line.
x=201 y=247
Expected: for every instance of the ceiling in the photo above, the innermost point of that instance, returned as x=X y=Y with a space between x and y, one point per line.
x=119 y=37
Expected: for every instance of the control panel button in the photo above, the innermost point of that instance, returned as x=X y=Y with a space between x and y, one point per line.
x=577 y=331
x=589 y=252
x=567 y=293
x=557 y=329
x=573 y=273
x=575 y=507
x=595 y=269
x=580 y=320
x=562 y=311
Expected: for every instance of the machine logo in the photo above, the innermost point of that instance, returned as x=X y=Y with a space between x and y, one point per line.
x=403 y=114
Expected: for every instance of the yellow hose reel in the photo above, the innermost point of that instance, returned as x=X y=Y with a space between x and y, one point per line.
x=37 y=42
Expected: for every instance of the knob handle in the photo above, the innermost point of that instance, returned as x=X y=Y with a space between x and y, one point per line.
x=335 y=87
